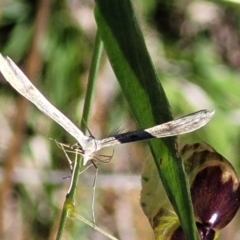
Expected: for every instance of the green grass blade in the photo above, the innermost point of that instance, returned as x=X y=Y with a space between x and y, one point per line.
x=132 y=65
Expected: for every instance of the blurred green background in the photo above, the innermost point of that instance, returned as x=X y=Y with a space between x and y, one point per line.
x=195 y=47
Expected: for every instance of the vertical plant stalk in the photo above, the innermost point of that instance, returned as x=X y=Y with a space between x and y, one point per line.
x=69 y=204
x=33 y=67
x=94 y=69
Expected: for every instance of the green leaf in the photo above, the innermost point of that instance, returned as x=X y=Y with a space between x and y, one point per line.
x=125 y=46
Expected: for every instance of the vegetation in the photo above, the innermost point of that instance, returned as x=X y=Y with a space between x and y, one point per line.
x=195 y=48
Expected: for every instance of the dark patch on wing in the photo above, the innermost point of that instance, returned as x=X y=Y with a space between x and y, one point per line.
x=133 y=137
